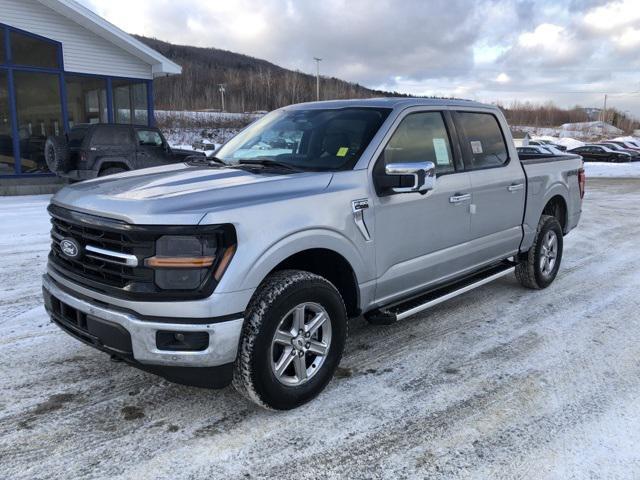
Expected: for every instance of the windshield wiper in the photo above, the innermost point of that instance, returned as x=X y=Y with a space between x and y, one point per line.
x=268 y=162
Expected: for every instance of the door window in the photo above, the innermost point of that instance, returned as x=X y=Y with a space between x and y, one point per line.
x=421 y=137
x=484 y=145
x=149 y=138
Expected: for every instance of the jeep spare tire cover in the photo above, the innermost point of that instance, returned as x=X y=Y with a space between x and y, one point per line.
x=56 y=154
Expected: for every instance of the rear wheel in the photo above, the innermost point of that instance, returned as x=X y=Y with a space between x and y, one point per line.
x=538 y=267
x=292 y=341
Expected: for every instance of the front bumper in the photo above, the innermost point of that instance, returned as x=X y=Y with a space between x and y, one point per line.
x=123 y=334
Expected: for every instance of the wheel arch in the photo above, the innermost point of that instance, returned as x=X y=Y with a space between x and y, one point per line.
x=108 y=162
x=556 y=206
x=330 y=265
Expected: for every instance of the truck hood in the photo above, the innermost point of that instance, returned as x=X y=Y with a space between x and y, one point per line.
x=181 y=194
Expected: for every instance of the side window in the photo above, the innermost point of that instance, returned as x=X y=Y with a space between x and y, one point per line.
x=111 y=136
x=484 y=143
x=421 y=137
x=149 y=138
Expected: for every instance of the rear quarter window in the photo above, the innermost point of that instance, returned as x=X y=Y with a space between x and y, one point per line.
x=111 y=136
x=484 y=143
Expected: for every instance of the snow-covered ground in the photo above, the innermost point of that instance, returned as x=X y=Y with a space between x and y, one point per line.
x=501 y=382
x=612 y=170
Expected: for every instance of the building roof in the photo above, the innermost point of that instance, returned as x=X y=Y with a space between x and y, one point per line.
x=160 y=64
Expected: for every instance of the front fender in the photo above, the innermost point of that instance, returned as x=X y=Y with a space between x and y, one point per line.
x=247 y=271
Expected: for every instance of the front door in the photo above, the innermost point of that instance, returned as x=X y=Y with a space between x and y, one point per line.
x=498 y=188
x=420 y=238
x=151 y=149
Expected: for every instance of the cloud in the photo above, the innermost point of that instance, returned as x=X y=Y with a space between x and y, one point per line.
x=485 y=49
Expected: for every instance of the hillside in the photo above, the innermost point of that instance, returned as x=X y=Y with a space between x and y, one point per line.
x=251 y=83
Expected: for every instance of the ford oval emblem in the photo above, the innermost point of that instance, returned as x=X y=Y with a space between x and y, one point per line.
x=70 y=247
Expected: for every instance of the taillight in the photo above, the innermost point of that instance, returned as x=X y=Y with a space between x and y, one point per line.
x=582 y=181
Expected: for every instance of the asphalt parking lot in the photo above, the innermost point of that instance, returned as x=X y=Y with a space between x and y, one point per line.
x=501 y=382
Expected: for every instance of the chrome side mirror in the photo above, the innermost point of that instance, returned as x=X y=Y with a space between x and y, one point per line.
x=424 y=174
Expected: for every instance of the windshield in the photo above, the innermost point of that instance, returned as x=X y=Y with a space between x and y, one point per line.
x=307 y=139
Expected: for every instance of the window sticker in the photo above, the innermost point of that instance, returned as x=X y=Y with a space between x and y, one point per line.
x=476 y=147
x=442 y=154
x=342 y=152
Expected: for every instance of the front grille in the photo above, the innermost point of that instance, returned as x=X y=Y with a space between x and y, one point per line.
x=113 y=253
x=104 y=235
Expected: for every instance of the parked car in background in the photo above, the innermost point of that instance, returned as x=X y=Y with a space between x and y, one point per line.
x=545 y=143
x=542 y=151
x=205 y=146
x=96 y=150
x=245 y=267
x=626 y=144
x=635 y=154
x=600 y=153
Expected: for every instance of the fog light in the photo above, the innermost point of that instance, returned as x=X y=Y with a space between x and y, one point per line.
x=182 y=341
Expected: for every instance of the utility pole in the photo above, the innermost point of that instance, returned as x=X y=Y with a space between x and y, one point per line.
x=318 y=60
x=604 y=110
x=221 y=89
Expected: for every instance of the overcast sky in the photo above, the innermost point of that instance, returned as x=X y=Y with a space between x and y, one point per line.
x=567 y=51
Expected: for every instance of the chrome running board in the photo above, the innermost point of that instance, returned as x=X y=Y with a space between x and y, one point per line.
x=406 y=308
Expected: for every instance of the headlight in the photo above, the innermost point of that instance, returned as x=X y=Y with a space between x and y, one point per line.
x=189 y=262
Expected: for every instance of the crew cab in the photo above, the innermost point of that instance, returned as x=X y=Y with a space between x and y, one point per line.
x=245 y=267
x=96 y=150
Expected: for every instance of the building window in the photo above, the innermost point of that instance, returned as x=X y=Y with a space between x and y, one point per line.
x=33 y=52
x=6 y=139
x=86 y=100
x=130 y=102
x=39 y=115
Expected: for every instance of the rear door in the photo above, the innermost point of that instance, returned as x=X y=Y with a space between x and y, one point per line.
x=498 y=187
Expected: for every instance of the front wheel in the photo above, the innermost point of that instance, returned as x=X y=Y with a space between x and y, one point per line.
x=292 y=341
x=538 y=267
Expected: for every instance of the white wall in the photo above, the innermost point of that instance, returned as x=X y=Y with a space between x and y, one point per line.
x=83 y=50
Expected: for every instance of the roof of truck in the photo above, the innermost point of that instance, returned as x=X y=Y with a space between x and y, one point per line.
x=392 y=102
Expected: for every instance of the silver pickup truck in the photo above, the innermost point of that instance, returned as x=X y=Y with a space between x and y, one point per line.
x=245 y=267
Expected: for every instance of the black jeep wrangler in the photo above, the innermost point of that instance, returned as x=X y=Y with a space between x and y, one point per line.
x=95 y=150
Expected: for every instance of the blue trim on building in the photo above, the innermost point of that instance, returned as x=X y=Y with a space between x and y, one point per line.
x=15 y=133
x=109 y=101
x=151 y=118
x=9 y=67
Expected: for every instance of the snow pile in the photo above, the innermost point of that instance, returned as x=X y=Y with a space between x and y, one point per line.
x=569 y=142
x=612 y=170
x=206 y=116
x=186 y=137
x=581 y=130
x=628 y=139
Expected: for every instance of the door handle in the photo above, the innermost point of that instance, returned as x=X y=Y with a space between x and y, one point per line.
x=460 y=197
x=515 y=187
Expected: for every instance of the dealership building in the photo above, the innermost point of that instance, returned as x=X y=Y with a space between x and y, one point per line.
x=62 y=65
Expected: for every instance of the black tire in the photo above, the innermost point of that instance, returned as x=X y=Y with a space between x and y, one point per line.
x=111 y=171
x=56 y=154
x=529 y=270
x=280 y=293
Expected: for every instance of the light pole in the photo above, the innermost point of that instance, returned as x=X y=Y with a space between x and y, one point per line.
x=221 y=89
x=318 y=60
